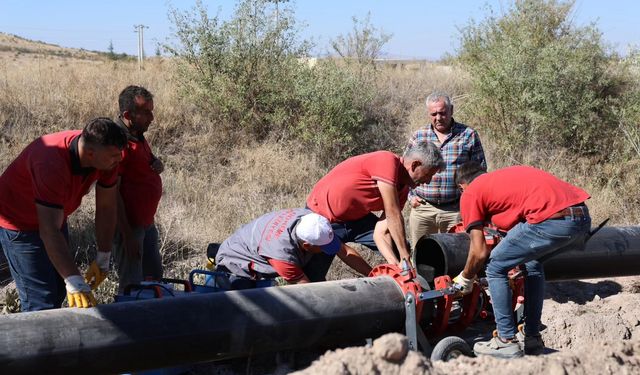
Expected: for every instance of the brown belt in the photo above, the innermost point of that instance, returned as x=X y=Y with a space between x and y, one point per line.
x=573 y=211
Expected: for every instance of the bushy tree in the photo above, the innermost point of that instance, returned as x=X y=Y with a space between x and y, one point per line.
x=629 y=118
x=241 y=69
x=363 y=44
x=540 y=82
x=252 y=77
x=333 y=101
x=111 y=54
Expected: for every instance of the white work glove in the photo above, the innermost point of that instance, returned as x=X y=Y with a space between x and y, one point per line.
x=98 y=269
x=78 y=292
x=466 y=285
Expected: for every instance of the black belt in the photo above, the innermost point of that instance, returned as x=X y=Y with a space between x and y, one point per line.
x=449 y=203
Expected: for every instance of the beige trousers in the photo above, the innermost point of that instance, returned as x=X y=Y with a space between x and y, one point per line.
x=427 y=219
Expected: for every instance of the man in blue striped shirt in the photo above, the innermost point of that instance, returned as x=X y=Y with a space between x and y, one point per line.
x=435 y=206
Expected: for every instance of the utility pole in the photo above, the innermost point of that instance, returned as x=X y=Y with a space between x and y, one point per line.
x=139 y=29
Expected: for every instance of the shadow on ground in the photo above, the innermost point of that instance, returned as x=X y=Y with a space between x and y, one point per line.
x=581 y=292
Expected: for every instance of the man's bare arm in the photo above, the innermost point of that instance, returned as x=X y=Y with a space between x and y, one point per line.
x=352 y=258
x=395 y=221
x=384 y=242
x=478 y=253
x=50 y=222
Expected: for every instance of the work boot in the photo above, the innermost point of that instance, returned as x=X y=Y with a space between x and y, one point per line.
x=530 y=345
x=498 y=348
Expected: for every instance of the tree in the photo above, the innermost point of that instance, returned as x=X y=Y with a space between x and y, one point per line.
x=111 y=54
x=242 y=69
x=539 y=82
x=363 y=44
x=250 y=76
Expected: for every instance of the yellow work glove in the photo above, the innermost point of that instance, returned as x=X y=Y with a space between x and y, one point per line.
x=78 y=292
x=98 y=269
x=466 y=285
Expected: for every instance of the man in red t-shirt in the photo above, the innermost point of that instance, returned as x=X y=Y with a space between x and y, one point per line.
x=541 y=215
x=377 y=181
x=137 y=249
x=38 y=191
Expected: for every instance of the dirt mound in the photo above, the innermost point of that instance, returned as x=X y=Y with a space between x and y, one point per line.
x=607 y=358
x=591 y=327
x=593 y=314
x=604 y=358
x=572 y=326
x=389 y=354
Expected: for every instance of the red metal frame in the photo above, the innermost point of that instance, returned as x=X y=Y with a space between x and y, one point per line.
x=440 y=321
x=406 y=279
x=469 y=303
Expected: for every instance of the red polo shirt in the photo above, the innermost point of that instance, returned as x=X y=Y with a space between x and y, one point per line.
x=140 y=186
x=511 y=195
x=349 y=191
x=47 y=172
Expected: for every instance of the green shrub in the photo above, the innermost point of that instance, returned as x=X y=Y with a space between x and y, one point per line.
x=630 y=113
x=251 y=76
x=332 y=101
x=363 y=45
x=539 y=82
x=242 y=70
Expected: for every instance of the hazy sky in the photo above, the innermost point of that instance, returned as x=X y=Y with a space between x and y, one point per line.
x=420 y=28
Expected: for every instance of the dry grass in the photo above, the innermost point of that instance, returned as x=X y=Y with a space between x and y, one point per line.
x=208 y=203
x=212 y=187
x=404 y=91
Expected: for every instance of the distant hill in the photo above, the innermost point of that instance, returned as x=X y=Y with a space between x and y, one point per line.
x=14 y=46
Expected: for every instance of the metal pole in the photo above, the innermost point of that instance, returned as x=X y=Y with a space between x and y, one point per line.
x=132 y=336
x=142 y=42
x=611 y=252
x=139 y=29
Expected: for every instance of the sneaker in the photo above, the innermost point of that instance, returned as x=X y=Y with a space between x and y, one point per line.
x=497 y=348
x=530 y=345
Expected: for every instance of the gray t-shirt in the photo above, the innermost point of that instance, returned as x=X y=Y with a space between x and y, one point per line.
x=271 y=236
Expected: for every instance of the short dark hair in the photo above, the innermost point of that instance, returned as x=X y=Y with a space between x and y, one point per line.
x=102 y=131
x=469 y=171
x=127 y=98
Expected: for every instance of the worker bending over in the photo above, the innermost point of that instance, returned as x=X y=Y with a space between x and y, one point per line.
x=282 y=243
x=541 y=215
x=378 y=181
x=38 y=191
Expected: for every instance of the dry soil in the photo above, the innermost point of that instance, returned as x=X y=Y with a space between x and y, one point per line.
x=592 y=327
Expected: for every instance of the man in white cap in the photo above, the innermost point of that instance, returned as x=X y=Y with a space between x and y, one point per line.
x=281 y=243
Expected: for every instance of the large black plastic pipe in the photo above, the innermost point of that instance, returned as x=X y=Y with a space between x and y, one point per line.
x=131 y=336
x=611 y=252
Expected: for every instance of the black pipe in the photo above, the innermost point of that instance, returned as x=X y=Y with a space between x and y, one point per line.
x=167 y=332
x=611 y=252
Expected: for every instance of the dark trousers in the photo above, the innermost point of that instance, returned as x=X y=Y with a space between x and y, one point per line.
x=39 y=285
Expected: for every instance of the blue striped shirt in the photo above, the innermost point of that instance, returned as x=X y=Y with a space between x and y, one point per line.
x=460 y=146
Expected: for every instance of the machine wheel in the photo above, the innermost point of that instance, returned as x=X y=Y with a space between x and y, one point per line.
x=450 y=347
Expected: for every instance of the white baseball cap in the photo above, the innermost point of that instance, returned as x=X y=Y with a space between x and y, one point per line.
x=316 y=230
